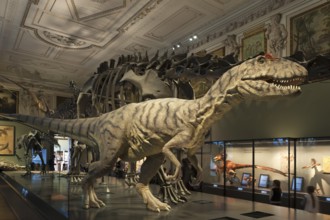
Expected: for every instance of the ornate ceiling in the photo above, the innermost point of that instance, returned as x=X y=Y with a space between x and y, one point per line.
x=46 y=43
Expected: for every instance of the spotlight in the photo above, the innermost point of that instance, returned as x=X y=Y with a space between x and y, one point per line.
x=190 y=39
x=178 y=45
x=195 y=37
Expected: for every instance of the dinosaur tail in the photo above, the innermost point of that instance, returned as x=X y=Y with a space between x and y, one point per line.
x=240 y=166
x=271 y=169
x=79 y=129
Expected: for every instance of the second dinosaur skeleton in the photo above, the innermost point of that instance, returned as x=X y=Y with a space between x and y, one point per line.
x=152 y=128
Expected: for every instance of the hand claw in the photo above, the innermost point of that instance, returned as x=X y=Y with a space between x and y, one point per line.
x=158 y=210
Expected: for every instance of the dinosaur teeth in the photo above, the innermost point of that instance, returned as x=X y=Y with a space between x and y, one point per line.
x=298 y=79
x=295 y=87
x=287 y=82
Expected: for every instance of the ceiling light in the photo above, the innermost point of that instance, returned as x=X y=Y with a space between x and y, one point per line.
x=195 y=36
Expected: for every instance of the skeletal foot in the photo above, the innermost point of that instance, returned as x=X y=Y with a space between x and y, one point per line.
x=150 y=200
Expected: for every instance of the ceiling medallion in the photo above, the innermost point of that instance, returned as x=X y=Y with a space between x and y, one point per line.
x=63 y=41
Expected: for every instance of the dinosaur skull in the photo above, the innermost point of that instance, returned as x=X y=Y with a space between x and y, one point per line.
x=267 y=76
x=218 y=157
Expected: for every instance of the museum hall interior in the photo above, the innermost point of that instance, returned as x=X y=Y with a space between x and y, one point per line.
x=164 y=109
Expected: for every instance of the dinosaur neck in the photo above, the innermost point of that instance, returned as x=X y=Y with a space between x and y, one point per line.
x=217 y=101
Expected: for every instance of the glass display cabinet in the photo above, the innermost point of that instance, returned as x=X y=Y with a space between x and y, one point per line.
x=246 y=169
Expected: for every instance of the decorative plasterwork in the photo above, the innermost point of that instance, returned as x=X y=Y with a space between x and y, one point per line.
x=62 y=41
x=135 y=47
x=7 y=8
x=151 y=5
x=71 y=57
x=80 y=18
x=25 y=79
x=98 y=11
x=239 y=21
x=45 y=64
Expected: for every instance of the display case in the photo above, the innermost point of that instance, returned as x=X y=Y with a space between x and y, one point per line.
x=246 y=169
x=313 y=166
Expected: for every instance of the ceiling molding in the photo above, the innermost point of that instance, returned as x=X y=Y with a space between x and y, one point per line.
x=135 y=47
x=183 y=17
x=71 y=57
x=61 y=40
x=99 y=5
x=141 y=14
x=25 y=43
x=237 y=20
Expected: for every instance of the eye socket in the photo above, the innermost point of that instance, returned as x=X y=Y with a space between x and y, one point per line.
x=261 y=60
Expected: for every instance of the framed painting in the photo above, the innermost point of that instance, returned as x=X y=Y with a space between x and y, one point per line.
x=310 y=31
x=218 y=52
x=8 y=102
x=253 y=43
x=7 y=140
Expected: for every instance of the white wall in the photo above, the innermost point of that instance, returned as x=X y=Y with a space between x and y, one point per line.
x=307 y=115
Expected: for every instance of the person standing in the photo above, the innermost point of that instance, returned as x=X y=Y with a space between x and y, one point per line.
x=311 y=201
x=51 y=163
x=276 y=193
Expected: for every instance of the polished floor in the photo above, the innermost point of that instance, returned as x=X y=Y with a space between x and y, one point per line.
x=6 y=210
x=54 y=196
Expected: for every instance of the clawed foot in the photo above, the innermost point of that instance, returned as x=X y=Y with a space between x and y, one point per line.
x=150 y=200
x=91 y=200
